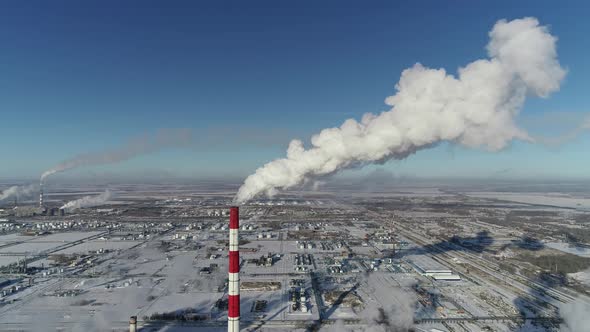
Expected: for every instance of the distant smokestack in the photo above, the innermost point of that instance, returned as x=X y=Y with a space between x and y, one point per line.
x=41 y=194
x=233 y=307
x=133 y=324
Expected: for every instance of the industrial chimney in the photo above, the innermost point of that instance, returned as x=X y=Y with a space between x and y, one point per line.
x=41 y=194
x=233 y=306
x=133 y=324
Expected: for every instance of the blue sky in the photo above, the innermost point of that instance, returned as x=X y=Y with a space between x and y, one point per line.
x=248 y=76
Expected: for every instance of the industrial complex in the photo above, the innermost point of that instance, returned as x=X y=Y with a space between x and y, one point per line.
x=141 y=189
x=167 y=259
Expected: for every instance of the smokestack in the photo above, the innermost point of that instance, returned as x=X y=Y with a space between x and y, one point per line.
x=133 y=324
x=233 y=307
x=41 y=194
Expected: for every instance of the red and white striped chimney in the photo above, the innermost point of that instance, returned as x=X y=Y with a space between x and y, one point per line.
x=233 y=307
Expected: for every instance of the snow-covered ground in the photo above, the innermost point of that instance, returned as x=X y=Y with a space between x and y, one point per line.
x=582 y=276
x=565 y=247
x=549 y=199
x=95 y=245
x=14 y=237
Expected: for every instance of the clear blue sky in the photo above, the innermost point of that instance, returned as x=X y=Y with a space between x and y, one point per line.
x=80 y=76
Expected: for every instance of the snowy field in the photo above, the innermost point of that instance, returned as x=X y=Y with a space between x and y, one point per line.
x=42 y=243
x=549 y=199
x=565 y=247
x=6 y=260
x=14 y=237
x=38 y=244
x=65 y=237
x=95 y=245
x=30 y=247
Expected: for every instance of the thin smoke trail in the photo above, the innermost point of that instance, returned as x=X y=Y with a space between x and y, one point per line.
x=88 y=201
x=567 y=137
x=19 y=191
x=163 y=139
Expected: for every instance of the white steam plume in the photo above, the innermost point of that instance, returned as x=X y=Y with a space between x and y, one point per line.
x=476 y=109
x=575 y=316
x=19 y=191
x=88 y=201
x=163 y=139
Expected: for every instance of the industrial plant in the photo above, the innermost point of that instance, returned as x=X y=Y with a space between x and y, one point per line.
x=429 y=261
x=368 y=223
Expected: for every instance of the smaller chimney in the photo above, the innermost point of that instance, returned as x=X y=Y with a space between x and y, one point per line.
x=133 y=324
x=41 y=194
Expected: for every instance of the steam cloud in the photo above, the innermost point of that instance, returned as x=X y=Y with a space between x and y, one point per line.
x=395 y=314
x=88 y=201
x=575 y=316
x=19 y=191
x=163 y=139
x=476 y=109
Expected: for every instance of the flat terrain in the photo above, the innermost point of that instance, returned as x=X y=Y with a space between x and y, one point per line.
x=414 y=258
